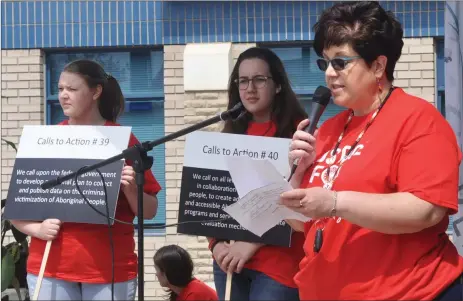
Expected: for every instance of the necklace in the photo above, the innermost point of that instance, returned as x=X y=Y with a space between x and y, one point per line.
x=332 y=171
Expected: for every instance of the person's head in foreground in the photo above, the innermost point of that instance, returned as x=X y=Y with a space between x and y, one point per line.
x=174 y=270
x=379 y=179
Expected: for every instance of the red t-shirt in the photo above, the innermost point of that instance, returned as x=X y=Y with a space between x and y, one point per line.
x=197 y=290
x=409 y=148
x=279 y=263
x=82 y=252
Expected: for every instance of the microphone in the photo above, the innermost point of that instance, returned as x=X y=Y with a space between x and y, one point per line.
x=234 y=113
x=320 y=100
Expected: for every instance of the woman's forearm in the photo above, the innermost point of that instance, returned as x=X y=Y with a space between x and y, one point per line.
x=29 y=228
x=150 y=205
x=395 y=213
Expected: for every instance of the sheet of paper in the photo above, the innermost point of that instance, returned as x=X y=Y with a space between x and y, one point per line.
x=249 y=174
x=259 y=210
x=259 y=186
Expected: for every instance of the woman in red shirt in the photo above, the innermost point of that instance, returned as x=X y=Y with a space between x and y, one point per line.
x=174 y=269
x=380 y=179
x=79 y=265
x=261 y=272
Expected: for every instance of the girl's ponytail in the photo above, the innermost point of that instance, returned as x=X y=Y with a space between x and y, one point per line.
x=111 y=100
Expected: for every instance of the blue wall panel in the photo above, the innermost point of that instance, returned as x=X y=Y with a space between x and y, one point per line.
x=93 y=23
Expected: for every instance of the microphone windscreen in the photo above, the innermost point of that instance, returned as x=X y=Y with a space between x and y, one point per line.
x=322 y=95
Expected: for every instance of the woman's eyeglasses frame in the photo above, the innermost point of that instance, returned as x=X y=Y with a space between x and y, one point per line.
x=259 y=82
x=338 y=63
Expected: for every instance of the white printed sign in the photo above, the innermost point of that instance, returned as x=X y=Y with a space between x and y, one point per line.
x=209 y=150
x=48 y=152
x=207 y=187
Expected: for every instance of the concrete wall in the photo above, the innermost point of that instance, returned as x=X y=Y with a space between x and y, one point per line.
x=23 y=84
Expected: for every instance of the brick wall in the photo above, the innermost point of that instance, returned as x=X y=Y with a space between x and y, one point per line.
x=174 y=121
x=176 y=117
x=415 y=71
x=173 y=112
x=22 y=100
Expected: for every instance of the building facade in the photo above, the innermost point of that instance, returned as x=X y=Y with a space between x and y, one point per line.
x=158 y=51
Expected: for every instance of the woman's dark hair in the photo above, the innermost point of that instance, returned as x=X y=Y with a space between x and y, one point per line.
x=366 y=27
x=286 y=109
x=111 y=102
x=175 y=262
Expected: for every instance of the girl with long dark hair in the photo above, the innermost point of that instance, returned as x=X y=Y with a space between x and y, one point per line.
x=174 y=269
x=260 y=272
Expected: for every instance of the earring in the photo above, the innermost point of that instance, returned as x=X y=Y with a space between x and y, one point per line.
x=380 y=87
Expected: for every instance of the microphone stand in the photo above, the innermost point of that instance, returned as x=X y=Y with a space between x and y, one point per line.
x=142 y=162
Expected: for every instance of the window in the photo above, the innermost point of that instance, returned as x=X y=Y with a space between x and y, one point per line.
x=304 y=75
x=140 y=74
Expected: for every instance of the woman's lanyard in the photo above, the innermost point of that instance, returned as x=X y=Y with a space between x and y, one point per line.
x=332 y=172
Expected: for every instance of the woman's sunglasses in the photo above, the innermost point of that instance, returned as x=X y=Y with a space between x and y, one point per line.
x=338 y=63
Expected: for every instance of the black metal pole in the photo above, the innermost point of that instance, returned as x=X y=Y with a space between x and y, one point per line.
x=142 y=162
x=140 y=179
